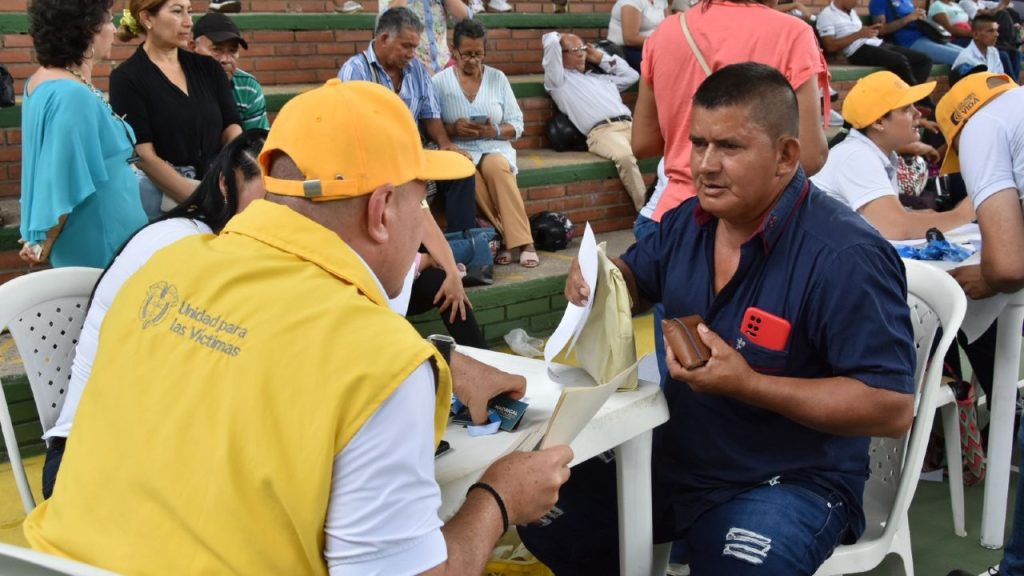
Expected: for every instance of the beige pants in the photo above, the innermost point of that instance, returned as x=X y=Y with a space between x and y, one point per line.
x=611 y=141
x=499 y=199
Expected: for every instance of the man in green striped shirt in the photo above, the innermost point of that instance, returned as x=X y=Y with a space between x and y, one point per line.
x=217 y=36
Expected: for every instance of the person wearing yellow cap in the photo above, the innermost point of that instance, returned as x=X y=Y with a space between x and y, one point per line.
x=256 y=408
x=861 y=170
x=982 y=120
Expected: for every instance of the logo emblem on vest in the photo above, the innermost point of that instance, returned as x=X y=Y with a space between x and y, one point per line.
x=161 y=298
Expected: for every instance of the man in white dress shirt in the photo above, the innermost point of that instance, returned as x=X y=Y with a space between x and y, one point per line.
x=593 y=103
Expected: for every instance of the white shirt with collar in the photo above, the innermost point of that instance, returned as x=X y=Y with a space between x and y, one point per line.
x=858 y=171
x=832 y=21
x=971 y=56
x=586 y=98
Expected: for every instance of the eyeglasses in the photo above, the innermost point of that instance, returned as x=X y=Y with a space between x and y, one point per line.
x=577 y=50
x=472 y=55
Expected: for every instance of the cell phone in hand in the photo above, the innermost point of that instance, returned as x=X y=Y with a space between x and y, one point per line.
x=479 y=119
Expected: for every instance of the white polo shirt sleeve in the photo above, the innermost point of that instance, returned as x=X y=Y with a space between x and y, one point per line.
x=985 y=157
x=855 y=174
x=382 y=516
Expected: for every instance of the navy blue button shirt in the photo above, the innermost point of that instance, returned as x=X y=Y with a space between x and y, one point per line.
x=841 y=286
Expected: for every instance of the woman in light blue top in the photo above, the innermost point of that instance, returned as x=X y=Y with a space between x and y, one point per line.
x=481 y=116
x=79 y=196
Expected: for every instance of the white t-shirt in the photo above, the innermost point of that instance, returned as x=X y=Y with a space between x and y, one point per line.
x=651 y=14
x=992 y=147
x=972 y=6
x=857 y=172
x=834 y=22
x=971 y=56
x=382 y=514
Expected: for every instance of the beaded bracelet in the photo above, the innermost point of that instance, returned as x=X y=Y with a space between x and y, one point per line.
x=497 y=498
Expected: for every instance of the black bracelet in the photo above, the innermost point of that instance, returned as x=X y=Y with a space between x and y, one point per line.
x=497 y=498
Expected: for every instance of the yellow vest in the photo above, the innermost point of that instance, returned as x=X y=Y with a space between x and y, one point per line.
x=230 y=372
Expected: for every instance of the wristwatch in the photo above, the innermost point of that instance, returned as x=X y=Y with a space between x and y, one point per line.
x=445 y=344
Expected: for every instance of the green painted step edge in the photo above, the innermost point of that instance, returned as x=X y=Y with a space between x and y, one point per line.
x=597 y=170
x=841 y=73
x=9 y=238
x=26 y=430
x=17 y=22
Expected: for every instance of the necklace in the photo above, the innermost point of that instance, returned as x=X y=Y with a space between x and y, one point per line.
x=78 y=75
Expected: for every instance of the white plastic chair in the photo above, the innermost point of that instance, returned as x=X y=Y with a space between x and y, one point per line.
x=44 y=312
x=27 y=562
x=936 y=301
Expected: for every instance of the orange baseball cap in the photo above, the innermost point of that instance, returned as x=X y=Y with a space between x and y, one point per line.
x=961 y=102
x=877 y=94
x=348 y=139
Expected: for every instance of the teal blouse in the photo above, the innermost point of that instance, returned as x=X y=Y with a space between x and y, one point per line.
x=75 y=161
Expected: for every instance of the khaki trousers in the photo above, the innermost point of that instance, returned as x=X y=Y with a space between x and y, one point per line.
x=611 y=141
x=499 y=199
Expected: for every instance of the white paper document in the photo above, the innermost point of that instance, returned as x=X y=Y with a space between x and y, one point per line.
x=575 y=317
x=577 y=406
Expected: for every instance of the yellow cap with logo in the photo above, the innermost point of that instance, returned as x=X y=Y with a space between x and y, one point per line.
x=961 y=102
x=877 y=94
x=350 y=138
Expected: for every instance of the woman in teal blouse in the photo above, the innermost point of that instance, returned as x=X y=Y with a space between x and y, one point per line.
x=79 y=196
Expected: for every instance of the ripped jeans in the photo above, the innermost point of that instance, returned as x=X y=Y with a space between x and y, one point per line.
x=781 y=529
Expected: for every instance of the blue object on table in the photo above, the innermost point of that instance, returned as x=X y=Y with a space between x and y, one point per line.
x=935 y=250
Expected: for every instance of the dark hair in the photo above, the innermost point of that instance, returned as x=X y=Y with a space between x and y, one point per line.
x=208 y=204
x=983 y=19
x=62 y=30
x=764 y=89
x=468 y=29
x=396 y=19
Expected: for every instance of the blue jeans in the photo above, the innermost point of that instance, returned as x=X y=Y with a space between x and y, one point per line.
x=644 y=226
x=781 y=529
x=1013 y=554
x=939 y=53
x=770 y=530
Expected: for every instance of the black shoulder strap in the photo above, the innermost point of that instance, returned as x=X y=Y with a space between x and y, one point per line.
x=372 y=69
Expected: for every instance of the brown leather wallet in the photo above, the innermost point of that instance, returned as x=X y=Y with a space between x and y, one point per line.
x=686 y=344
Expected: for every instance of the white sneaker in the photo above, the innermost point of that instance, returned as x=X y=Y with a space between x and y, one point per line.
x=835 y=118
x=226 y=7
x=499 y=6
x=477 y=6
x=349 y=7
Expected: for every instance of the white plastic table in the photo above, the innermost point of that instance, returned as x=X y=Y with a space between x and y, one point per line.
x=624 y=423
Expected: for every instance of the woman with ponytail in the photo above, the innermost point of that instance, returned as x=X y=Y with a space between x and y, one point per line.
x=179 y=103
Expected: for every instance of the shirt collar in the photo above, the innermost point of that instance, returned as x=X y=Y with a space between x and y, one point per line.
x=284 y=229
x=779 y=215
x=889 y=160
x=371 y=56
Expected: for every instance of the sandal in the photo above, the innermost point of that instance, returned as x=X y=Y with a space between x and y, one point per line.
x=528 y=259
x=503 y=258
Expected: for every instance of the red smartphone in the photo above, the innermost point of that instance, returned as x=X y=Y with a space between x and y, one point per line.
x=765 y=329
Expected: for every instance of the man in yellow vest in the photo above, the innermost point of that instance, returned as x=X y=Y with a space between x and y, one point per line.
x=256 y=408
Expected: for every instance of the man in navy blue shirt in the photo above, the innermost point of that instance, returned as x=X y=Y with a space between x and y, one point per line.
x=761 y=467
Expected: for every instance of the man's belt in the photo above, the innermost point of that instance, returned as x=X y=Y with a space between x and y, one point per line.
x=624 y=118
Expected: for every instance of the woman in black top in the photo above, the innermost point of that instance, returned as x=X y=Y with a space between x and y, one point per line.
x=179 y=103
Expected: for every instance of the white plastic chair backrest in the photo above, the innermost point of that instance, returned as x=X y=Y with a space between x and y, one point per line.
x=936 y=301
x=28 y=562
x=44 y=312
